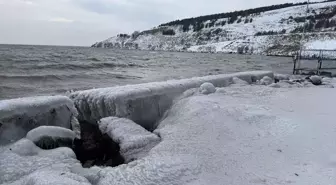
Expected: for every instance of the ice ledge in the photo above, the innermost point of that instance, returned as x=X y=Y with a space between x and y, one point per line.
x=18 y=116
x=146 y=103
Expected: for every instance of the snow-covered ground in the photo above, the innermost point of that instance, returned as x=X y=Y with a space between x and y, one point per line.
x=241 y=134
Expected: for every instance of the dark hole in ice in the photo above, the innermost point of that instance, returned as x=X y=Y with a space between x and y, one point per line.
x=53 y=111
x=48 y=143
x=95 y=148
x=254 y=79
x=149 y=126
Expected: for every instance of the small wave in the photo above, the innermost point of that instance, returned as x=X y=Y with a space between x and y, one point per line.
x=31 y=77
x=126 y=77
x=8 y=88
x=94 y=59
x=6 y=59
x=66 y=76
x=82 y=66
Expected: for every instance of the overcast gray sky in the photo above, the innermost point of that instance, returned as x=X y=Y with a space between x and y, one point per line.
x=83 y=22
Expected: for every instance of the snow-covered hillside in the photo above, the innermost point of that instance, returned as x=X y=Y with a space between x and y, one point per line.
x=274 y=32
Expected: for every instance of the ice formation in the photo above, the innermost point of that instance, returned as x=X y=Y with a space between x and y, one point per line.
x=316 y=80
x=281 y=77
x=18 y=116
x=24 y=163
x=207 y=88
x=250 y=135
x=146 y=103
x=50 y=137
x=266 y=81
x=239 y=82
x=134 y=141
x=275 y=85
x=51 y=131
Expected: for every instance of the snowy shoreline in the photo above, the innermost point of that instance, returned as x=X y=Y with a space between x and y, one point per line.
x=208 y=135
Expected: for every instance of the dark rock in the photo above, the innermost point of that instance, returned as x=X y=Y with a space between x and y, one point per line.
x=95 y=148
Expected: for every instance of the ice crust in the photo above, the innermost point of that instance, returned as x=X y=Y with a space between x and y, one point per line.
x=19 y=116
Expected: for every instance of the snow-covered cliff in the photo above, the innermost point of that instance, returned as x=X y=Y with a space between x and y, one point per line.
x=274 y=30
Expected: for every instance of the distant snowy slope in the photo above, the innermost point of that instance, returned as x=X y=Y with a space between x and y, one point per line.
x=270 y=31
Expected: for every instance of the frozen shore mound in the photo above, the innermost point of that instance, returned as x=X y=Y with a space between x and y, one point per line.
x=135 y=141
x=146 y=103
x=240 y=134
x=19 y=116
x=50 y=137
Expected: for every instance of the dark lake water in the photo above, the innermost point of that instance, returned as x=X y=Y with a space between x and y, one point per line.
x=48 y=70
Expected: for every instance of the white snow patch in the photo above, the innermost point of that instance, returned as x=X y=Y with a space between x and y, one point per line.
x=25 y=147
x=33 y=105
x=221 y=90
x=254 y=134
x=281 y=76
x=135 y=142
x=327 y=80
x=91 y=174
x=238 y=82
x=329 y=44
x=275 y=85
x=23 y=162
x=250 y=135
x=53 y=176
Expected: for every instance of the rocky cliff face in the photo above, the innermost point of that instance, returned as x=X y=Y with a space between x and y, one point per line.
x=273 y=30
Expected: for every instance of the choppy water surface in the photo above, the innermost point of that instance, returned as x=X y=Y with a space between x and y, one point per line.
x=44 y=70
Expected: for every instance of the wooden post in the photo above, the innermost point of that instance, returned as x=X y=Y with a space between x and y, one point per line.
x=318 y=63
x=295 y=58
x=321 y=60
